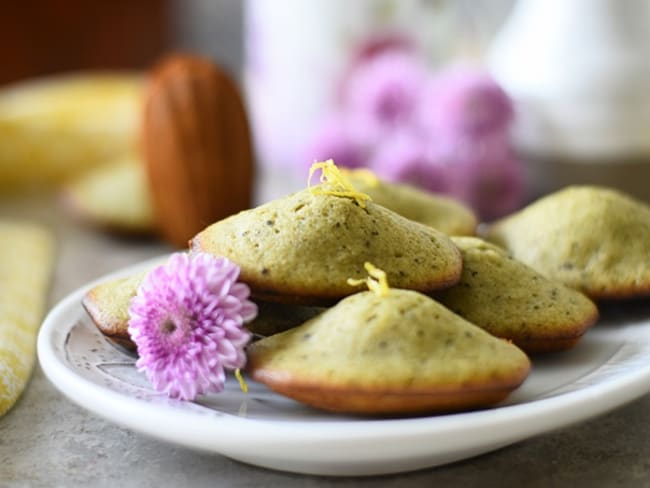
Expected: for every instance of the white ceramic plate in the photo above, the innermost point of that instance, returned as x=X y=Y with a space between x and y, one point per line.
x=610 y=366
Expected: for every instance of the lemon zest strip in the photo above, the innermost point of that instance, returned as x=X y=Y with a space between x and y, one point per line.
x=242 y=383
x=331 y=174
x=376 y=280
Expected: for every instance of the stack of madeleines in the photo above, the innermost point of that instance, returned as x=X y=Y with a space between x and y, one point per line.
x=455 y=317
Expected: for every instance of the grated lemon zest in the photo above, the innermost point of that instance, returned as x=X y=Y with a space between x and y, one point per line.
x=364 y=174
x=339 y=185
x=242 y=383
x=376 y=280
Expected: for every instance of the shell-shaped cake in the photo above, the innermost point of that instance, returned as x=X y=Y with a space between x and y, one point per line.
x=511 y=300
x=394 y=354
x=302 y=248
x=438 y=211
x=590 y=238
x=107 y=303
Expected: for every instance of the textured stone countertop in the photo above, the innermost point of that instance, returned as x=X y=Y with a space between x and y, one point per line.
x=47 y=441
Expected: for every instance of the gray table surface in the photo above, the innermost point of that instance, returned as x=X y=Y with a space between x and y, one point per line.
x=47 y=441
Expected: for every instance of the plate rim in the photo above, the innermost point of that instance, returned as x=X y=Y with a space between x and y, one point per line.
x=495 y=427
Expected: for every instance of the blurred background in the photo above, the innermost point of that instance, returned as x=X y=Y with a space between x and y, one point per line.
x=492 y=102
x=43 y=37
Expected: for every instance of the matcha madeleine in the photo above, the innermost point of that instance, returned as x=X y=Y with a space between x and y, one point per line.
x=273 y=318
x=590 y=238
x=513 y=301
x=108 y=306
x=114 y=197
x=108 y=303
x=398 y=352
x=303 y=247
x=438 y=211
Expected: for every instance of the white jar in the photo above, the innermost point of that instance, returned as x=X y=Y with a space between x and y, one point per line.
x=579 y=72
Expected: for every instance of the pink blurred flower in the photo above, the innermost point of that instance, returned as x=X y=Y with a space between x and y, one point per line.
x=464 y=102
x=375 y=45
x=333 y=140
x=446 y=132
x=487 y=176
x=406 y=158
x=381 y=93
x=187 y=322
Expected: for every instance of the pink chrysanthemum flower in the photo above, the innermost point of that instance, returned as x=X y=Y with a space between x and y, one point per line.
x=333 y=140
x=408 y=158
x=187 y=322
x=465 y=102
x=487 y=175
x=381 y=93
